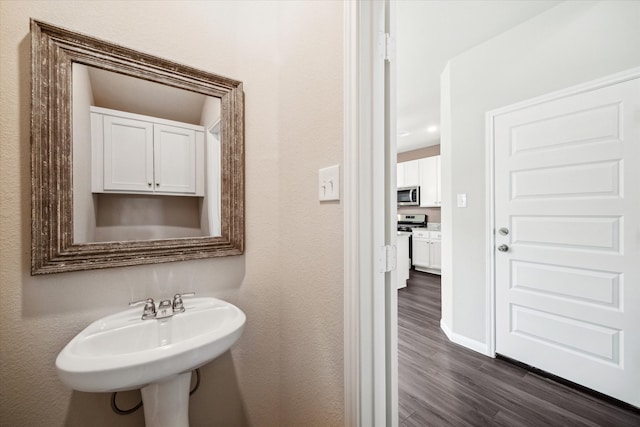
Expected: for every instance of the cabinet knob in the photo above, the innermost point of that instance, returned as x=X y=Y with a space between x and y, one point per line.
x=157 y=184
x=149 y=184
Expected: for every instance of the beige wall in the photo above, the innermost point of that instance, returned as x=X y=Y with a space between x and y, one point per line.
x=569 y=44
x=420 y=153
x=287 y=367
x=84 y=206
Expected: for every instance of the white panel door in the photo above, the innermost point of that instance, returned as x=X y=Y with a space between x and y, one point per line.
x=128 y=154
x=567 y=192
x=175 y=159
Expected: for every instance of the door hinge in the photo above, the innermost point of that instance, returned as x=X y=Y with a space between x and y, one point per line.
x=387 y=258
x=388 y=46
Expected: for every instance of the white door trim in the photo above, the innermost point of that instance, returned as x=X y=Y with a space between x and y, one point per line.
x=352 y=400
x=490 y=178
x=365 y=382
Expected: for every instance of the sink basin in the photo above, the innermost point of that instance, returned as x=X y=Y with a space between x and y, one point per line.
x=123 y=352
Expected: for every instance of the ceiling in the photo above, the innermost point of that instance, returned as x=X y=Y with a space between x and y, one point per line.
x=429 y=33
x=124 y=93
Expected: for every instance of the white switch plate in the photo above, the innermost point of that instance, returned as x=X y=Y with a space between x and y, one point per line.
x=462 y=200
x=329 y=183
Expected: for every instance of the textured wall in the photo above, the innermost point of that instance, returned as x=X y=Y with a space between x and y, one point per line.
x=310 y=126
x=569 y=44
x=287 y=367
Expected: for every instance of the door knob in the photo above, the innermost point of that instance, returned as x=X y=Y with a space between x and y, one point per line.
x=503 y=248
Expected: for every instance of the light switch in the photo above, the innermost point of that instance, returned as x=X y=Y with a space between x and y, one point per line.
x=329 y=183
x=462 y=200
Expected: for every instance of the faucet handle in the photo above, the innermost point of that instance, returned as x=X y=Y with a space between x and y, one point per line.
x=178 y=306
x=149 y=311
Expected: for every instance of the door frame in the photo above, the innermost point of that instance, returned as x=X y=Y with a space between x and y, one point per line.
x=490 y=116
x=369 y=375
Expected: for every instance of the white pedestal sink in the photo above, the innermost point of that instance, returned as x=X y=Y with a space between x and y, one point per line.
x=122 y=352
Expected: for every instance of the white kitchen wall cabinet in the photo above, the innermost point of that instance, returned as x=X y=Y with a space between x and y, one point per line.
x=430 y=183
x=427 y=250
x=134 y=154
x=408 y=173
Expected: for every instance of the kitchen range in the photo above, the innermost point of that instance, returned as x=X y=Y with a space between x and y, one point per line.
x=424 y=243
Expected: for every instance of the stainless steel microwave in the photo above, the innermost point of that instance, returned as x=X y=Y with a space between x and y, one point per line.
x=409 y=196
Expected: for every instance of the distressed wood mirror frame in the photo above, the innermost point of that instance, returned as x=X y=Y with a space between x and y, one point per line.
x=53 y=51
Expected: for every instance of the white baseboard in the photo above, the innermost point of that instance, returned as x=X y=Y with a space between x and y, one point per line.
x=474 y=345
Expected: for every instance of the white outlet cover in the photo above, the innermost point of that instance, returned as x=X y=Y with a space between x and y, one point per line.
x=462 y=200
x=329 y=184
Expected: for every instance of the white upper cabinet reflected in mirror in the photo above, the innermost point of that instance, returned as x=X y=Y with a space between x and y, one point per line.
x=146 y=159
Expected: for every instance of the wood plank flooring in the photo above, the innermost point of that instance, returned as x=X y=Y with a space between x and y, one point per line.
x=444 y=384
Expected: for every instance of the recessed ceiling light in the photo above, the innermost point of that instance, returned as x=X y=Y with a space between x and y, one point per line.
x=402 y=133
x=432 y=129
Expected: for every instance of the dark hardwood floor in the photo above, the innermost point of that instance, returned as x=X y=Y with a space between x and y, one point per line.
x=444 y=384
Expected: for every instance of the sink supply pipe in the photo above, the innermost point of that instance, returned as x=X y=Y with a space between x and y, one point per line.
x=114 y=405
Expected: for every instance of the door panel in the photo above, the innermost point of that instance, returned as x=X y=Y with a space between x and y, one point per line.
x=586 y=180
x=421 y=253
x=569 y=232
x=175 y=159
x=567 y=186
x=430 y=181
x=570 y=284
x=436 y=254
x=128 y=154
x=565 y=333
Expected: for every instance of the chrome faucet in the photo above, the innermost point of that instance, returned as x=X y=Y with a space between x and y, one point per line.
x=178 y=305
x=149 y=311
x=166 y=307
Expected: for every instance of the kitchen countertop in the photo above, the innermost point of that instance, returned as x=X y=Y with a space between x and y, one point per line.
x=433 y=226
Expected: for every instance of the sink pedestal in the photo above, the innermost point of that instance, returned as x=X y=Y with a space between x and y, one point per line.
x=166 y=403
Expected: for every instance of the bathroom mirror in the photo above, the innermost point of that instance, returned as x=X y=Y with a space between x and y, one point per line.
x=80 y=87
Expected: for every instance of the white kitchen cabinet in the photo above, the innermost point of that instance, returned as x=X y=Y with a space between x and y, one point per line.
x=403 y=263
x=408 y=173
x=430 y=185
x=427 y=251
x=435 y=250
x=132 y=153
x=174 y=159
x=400 y=167
x=128 y=154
